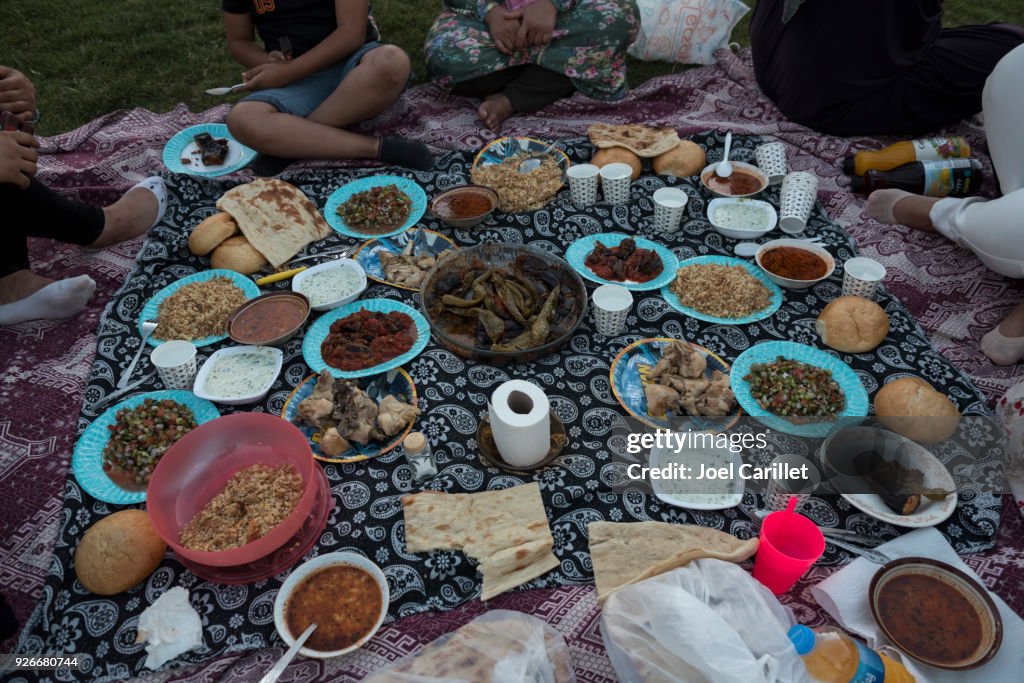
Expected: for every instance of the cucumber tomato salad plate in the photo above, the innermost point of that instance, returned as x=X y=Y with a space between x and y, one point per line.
x=376 y=206
x=798 y=389
x=134 y=434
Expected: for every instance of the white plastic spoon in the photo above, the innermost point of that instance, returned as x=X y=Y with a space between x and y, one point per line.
x=724 y=167
x=225 y=90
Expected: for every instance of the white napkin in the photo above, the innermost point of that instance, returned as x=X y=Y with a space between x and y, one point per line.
x=844 y=595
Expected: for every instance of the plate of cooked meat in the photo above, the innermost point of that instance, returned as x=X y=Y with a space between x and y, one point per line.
x=348 y=420
x=404 y=260
x=376 y=206
x=206 y=150
x=661 y=379
x=615 y=259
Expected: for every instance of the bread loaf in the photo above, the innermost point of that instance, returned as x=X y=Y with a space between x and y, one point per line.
x=211 y=232
x=118 y=552
x=685 y=159
x=612 y=155
x=911 y=407
x=235 y=253
x=852 y=324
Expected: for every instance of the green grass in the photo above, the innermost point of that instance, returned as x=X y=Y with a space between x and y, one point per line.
x=88 y=57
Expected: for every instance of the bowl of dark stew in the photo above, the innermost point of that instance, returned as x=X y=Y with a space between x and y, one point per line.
x=935 y=613
x=746 y=180
x=344 y=594
x=269 y=320
x=465 y=206
x=794 y=264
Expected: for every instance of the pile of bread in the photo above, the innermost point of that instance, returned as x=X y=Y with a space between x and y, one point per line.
x=263 y=222
x=630 y=144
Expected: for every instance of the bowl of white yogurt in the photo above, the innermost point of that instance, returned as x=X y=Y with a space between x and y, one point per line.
x=238 y=375
x=697 y=478
x=742 y=219
x=331 y=284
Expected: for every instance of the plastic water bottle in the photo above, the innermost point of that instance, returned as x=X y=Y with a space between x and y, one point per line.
x=831 y=656
x=899 y=153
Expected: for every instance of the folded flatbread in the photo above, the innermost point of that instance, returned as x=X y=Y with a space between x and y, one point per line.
x=505 y=531
x=276 y=218
x=625 y=553
x=643 y=141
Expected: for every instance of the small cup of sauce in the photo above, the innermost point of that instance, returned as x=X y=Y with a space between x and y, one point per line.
x=465 y=206
x=746 y=180
x=270 y=319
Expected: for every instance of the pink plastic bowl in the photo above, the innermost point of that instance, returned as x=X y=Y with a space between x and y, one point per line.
x=197 y=467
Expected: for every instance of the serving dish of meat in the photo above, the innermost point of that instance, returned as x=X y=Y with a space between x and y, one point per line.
x=503 y=302
x=404 y=260
x=633 y=262
x=662 y=379
x=212 y=151
x=352 y=420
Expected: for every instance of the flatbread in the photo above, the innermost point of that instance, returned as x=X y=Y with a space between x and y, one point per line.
x=505 y=531
x=625 y=553
x=644 y=141
x=276 y=218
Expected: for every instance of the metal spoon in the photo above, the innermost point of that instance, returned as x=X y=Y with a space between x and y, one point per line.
x=532 y=163
x=225 y=90
x=147 y=329
x=870 y=554
x=724 y=167
x=282 y=664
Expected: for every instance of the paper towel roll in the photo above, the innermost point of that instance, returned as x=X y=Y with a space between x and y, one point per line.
x=521 y=422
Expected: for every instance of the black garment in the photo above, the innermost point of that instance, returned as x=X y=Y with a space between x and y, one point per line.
x=528 y=87
x=8 y=623
x=867 y=67
x=40 y=212
x=305 y=22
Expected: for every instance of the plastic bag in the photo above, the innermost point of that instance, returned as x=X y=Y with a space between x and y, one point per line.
x=502 y=646
x=707 y=622
x=685 y=31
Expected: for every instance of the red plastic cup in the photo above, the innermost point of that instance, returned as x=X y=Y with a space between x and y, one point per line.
x=790 y=544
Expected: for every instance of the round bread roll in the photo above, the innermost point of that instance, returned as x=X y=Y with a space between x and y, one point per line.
x=911 y=407
x=235 y=253
x=852 y=324
x=612 y=155
x=118 y=552
x=685 y=159
x=211 y=232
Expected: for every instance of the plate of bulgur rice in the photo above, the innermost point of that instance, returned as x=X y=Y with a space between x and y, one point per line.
x=196 y=308
x=722 y=289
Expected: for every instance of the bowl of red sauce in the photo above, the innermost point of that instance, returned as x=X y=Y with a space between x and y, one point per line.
x=270 y=319
x=465 y=206
x=794 y=264
x=746 y=180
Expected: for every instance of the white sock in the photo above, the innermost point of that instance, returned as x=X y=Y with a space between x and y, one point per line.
x=1002 y=350
x=62 y=299
x=881 y=204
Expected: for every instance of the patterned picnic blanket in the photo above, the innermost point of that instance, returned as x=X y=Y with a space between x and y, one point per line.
x=46 y=364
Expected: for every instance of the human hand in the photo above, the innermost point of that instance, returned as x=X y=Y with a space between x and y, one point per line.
x=278 y=57
x=504 y=26
x=17 y=158
x=265 y=76
x=538 y=24
x=17 y=94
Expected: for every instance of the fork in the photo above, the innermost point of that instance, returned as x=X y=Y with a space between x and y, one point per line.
x=285 y=46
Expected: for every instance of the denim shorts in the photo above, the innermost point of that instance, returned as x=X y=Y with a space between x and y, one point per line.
x=303 y=96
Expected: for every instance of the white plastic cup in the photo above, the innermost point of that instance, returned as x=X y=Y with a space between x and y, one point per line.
x=861 y=277
x=799 y=193
x=615 y=182
x=669 y=204
x=583 y=184
x=779 y=491
x=175 y=362
x=771 y=159
x=611 y=305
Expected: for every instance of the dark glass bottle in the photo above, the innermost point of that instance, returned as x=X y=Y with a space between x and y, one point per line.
x=946 y=178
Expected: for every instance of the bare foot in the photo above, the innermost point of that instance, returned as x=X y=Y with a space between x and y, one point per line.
x=128 y=217
x=494 y=110
x=20 y=285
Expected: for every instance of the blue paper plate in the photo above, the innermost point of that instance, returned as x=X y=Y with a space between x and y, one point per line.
x=182 y=145
x=401 y=386
x=149 y=311
x=425 y=243
x=766 y=352
x=628 y=376
x=345 y=192
x=774 y=304
x=319 y=330
x=504 y=148
x=578 y=251
x=87 y=462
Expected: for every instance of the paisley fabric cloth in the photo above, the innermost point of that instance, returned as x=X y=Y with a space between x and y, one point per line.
x=577 y=489
x=588 y=45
